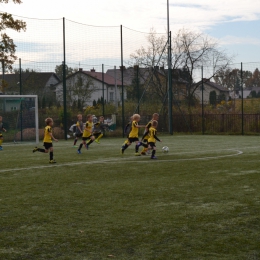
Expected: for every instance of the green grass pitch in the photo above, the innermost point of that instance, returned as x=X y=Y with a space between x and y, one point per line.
x=199 y=201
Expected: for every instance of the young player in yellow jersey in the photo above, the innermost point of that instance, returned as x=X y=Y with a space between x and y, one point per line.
x=144 y=140
x=152 y=138
x=79 y=129
x=133 y=135
x=127 y=130
x=99 y=128
x=87 y=133
x=47 y=140
x=1 y=135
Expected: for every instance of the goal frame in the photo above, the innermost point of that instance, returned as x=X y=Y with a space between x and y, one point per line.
x=36 y=111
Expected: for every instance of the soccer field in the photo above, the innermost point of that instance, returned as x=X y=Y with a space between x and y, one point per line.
x=199 y=201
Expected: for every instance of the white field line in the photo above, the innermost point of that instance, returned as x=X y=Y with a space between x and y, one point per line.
x=122 y=160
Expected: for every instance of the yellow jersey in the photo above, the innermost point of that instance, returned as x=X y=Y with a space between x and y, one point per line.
x=134 y=130
x=88 y=129
x=152 y=135
x=146 y=132
x=47 y=134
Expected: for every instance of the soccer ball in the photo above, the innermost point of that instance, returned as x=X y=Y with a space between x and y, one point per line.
x=68 y=136
x=165 y=149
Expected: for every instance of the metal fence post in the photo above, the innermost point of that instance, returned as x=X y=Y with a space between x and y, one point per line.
x=242 y=96
x=136 y=68
x=122 y=79
x=103 y=92
x=202 y=101
x=64 y=85
x=170 y=83
x=21 y=102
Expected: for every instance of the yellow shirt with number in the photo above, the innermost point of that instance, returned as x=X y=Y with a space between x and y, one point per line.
x=134 y=130
x=88 y=129
x=47 y=134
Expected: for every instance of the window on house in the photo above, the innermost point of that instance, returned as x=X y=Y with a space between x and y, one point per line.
x=111 y=96
x=13 y=108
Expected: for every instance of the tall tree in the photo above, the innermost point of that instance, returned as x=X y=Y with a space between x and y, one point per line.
x=59 y=71
x=79 y=89
x=254 y=80
x=7 y=46
x=190 y=51
x=197 y=50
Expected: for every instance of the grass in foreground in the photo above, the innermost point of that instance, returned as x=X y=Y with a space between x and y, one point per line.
x=200 y=201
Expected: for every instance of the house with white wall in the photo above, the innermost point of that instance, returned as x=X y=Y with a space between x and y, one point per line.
x=88 y=86
x=208 y=87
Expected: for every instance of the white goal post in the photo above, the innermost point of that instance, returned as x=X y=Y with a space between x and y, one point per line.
x=35 y=108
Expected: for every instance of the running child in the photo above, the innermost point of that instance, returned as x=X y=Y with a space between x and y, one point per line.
x=2 y=129
x=152 y=138
x=79 y=129
x=87 y=133
x=144 y=140
x=128 y=129
x=133 y=135
x=47 y=140
x=99 y=128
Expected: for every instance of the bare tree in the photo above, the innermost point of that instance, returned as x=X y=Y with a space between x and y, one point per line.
x=7 y=45
x=190 y=51
x=79 y=89
x=149 y=56
x=195 y=50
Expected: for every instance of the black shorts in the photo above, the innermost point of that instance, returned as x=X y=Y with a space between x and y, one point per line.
x=47 y=146
x=152 y=144
x=79 y=135
x=97 y=134
x=145 y=140
x=1 y=135
x=132 y=139
x=86 y=138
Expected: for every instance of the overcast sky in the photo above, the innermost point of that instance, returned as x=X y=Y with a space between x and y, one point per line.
x=235 y=23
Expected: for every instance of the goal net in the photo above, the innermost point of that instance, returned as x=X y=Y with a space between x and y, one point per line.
x=20 y=118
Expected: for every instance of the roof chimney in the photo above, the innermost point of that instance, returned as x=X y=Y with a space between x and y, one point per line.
x=93 y=70
x=80 y=69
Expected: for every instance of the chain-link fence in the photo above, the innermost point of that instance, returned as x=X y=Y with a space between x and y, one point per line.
x=105 y=70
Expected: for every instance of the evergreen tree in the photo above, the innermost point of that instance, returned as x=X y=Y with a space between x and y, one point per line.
x=213 y=97
x=43 y=102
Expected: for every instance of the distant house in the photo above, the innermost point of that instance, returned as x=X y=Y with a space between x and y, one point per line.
x=33 y=83
x=250 y=92
x=209 y=88
x=155 y=77
x=87 y=86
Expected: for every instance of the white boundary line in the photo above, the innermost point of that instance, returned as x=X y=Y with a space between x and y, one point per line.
x=123 y=160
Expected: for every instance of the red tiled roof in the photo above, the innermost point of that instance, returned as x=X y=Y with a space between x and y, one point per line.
x=109 y=80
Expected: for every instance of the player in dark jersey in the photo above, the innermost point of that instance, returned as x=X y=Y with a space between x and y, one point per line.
x=99 y=128
x=47 y=140
x=127 y=130
x=144 y=140
x=79 y=129
x=2 y=129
